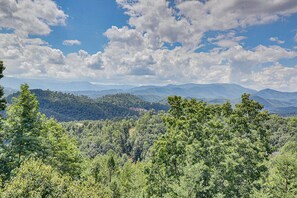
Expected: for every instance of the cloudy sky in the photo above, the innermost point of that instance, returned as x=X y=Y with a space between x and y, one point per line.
x=248 y=42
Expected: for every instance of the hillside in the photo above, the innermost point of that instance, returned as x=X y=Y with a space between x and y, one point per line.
x=127 y=102
x=9 y=91
x=200 y=91
x=159 y=93
x=131 y=101
x=68 y=107
x=282 y=103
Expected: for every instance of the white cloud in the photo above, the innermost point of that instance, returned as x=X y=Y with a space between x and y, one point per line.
x=129 y=53
x=71 y=42
x=277 y=77
x=226 y=40
x=34 y=58
x=275 y=39
x=30 y=17
x=189 y=20
x=139 y=52
x=295 y=37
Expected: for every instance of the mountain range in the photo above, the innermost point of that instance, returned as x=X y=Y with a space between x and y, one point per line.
x=282 y=103
x=68 y=107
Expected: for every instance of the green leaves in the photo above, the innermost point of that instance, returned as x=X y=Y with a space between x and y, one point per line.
x=22 y=128
x=225 y=146
x=197 y=150
x=60 y=150
x=281 y=180
x=35 y=179
x=27 y=133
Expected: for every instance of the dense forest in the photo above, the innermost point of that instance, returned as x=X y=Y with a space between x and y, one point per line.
x=195 y=149
x=69 y=107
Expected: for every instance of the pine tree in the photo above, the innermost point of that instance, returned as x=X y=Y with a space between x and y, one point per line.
x=2 y=100
x=23 y=126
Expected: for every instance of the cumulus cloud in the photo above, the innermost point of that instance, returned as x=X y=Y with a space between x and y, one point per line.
x=71 y=42
x=142 y=49
x=276 y=76
x=187 y=21
x=35 y=58
x=162 y=43
x=30 y=17
x=226 y=40
x=275 y=39
x=128 y=53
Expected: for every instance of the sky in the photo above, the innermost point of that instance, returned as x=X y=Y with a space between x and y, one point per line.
x=144 y=42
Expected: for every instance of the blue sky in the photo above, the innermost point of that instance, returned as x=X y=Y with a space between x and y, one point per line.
x=87 y=22
x=252 y=43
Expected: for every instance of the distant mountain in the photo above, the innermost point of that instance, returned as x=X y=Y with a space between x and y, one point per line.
x=97 y=94
x=56 y=85
x=8 y=91
x=277 y=95
x=68 y=107
x=282 y=103
x=159 y=93
x=200 y=91
x=131 y=101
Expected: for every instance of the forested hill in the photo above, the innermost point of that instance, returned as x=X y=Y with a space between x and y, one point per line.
x=68 y=107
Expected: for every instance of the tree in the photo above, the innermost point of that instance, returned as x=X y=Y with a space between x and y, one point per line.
x=2 y=100
x=59 y=150
x=35 y=179
x=209 y=150
x=21 y=132
x=3 y=156
x=23 y=126
x=111 y=166
x=281 y=179
x=28 y=133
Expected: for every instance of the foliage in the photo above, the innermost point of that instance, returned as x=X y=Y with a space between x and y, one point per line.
x=281 y=179
x=194 y=150
x=119 y=176
x=68 y=107
x=129 y=137
x=60 y=150
x=131 y=101
x=22 y=132
x=209 y=150
x=27 y=133
x=282 y=129
x=35 y=179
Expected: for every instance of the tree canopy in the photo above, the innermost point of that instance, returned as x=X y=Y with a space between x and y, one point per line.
x=195 y=150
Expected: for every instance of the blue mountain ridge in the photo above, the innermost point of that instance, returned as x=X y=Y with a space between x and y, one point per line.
x=283 y=103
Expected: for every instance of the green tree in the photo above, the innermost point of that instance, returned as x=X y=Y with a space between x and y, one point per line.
x=21 y=132
x=59 y=150
x=103 y=168
x=281 y=179
x=28 y=133
x=111 y=166
x=209 y=150
x=4 y=166
x=2 y=100
x=132 y=180
x=282 y=129
x=35 y=179
x=87 y=188
x=23 y=126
